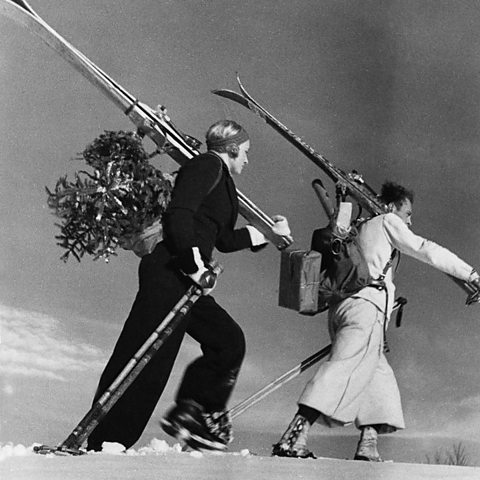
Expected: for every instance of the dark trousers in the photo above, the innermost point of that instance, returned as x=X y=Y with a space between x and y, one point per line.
x=208 y=380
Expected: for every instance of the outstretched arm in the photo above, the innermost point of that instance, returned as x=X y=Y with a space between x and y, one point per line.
x=402 y=238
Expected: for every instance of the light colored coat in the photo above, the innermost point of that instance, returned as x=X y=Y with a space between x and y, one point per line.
x=356 y=384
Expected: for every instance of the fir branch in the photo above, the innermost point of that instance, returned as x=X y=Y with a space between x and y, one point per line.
x=121 y=197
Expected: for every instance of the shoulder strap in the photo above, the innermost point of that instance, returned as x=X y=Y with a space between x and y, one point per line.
x=219 y=176
x=388 y=264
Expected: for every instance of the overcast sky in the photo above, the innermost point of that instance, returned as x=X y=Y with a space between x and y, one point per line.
x=389 y=88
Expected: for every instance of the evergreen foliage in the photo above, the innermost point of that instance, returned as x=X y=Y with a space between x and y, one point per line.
x=123 y=195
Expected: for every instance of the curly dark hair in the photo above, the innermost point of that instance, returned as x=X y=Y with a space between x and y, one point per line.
x=395 y=193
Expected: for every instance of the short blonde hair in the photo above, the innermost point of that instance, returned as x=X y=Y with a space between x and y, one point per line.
x=224 y=133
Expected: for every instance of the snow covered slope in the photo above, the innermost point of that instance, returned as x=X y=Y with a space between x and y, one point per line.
x=159 y=461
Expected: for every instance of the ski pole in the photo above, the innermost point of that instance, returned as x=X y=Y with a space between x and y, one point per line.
x=287 y=376
x=277 y=383
x=129 y=373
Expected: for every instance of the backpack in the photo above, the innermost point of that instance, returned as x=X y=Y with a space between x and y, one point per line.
x=144 y=242
x=343 y=270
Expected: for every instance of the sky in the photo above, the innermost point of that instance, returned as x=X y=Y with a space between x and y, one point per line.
x=388 y=88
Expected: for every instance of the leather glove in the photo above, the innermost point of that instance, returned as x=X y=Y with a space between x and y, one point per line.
x=204 y=277
x=256 y=236
x=281 y=226
x=475 y=279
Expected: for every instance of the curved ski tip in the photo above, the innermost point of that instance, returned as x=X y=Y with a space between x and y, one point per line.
x=224 y=92
x=23 y=5
x=238 y=80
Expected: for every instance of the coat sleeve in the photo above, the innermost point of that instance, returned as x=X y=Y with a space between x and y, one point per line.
x=402 y=238
x=234 y=240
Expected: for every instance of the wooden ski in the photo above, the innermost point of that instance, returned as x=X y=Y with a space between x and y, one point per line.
x=167 y=137
x=347 y=184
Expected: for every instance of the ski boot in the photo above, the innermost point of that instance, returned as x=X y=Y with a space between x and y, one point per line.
x=186 y=422
x=220 y=425
x=367 y=446
x=293 y=442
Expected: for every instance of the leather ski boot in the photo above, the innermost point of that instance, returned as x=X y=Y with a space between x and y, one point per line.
x=186 y=422
x=220 y=425
x=293 y=443
x=367 y=446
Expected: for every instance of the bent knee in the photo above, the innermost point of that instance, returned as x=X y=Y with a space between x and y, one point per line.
x=235 y=348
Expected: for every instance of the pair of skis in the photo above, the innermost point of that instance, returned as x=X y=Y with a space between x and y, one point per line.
x=347 y=184
x=164 y=134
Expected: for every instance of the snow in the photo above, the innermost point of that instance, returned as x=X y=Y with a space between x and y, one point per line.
x=160 y=460
x=11 y=450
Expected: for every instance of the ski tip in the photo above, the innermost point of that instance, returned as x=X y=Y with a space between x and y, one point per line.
x=23 y=5
x=225 y=93
x=241 y=87
x=237 y=74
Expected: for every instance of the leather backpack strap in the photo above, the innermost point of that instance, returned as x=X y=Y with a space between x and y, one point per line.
x=388 y=264
x=219 y=176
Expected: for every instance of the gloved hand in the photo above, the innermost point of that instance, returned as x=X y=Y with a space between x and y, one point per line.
x=281 y=226
x=204 y=277
x=475 y=279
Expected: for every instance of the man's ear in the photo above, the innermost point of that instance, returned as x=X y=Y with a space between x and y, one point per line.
x=390 y=207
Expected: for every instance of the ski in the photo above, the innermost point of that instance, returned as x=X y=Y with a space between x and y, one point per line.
x=166 y=136
x=347 y=184
x=351 y=183
x=73 y=443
